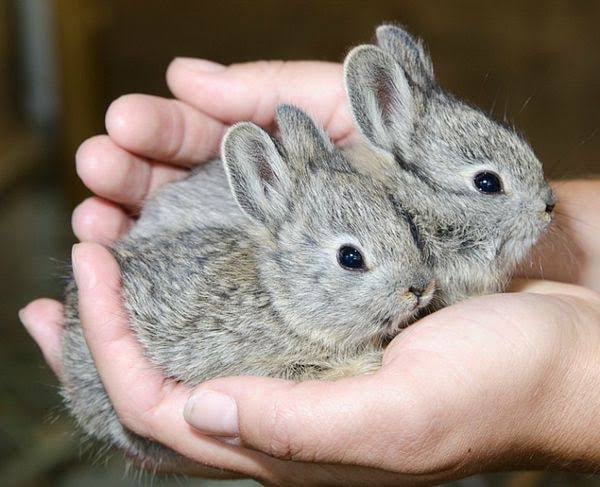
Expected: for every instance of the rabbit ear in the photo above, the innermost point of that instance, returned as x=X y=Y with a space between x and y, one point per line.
x=409 y=52
x=380 y=97
x=304 y=142
x=257 y=173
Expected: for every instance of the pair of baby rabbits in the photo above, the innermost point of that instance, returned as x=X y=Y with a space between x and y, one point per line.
x=294 y=258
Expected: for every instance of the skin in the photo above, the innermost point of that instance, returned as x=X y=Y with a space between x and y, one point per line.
x=497 y=382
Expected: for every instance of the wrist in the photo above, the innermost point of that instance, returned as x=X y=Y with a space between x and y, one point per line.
x=565 y=429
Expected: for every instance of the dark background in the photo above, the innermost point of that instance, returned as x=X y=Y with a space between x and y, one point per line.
x=62 y=62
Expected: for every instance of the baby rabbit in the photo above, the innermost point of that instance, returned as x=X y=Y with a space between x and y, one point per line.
x=473 y=187
x=323 y=269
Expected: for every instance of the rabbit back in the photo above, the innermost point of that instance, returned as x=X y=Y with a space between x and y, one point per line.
x=202 y=198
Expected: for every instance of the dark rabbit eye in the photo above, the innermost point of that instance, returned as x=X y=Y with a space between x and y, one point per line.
x=487 y=182
x=350 y=258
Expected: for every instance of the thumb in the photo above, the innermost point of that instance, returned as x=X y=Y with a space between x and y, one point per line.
x=348 y=421
x=251 y=91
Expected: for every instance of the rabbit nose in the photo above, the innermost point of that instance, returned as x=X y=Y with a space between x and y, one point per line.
x=549 y=200
x=418 y=292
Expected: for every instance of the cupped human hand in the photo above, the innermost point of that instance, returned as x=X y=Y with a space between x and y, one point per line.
x=501 y=381
x=151 y=140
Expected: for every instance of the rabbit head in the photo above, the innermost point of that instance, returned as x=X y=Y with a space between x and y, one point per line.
x=483 y=173
x=339 y=257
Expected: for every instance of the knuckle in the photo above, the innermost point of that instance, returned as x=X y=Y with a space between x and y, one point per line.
x=178 y=144
x=280 y=429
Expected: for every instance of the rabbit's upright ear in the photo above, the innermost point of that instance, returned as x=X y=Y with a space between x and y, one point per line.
x=409 y=52
x=380 y=97
x=304 y=142
x=257 y=173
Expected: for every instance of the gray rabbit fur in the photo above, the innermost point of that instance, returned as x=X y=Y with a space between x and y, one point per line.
x=429 y=146
x=258 y=290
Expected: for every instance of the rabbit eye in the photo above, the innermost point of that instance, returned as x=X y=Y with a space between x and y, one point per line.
x=350 y=258
x=487 y=182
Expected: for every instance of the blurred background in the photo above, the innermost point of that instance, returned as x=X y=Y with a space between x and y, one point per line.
x=537 y=63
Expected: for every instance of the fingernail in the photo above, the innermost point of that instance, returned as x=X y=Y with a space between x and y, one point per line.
x=200 y=65
x=212 y=413
x=84 y=278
